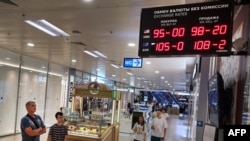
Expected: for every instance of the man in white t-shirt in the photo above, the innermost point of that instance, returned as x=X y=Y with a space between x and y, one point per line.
x=159 y=127
x=164 y=114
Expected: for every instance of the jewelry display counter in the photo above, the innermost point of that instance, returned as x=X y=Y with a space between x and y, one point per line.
x=98 y=116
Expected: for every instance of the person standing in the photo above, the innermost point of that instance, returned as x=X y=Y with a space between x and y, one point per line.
x=164 y=114
x=128 y=109
x=58 y=131
x=32 y=125
x=159 y=128
x=140 y=130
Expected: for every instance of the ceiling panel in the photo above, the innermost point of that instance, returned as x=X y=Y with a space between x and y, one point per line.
x=103 y=25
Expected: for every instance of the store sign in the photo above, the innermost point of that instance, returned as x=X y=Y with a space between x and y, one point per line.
x=94 y=88
x=86 y=93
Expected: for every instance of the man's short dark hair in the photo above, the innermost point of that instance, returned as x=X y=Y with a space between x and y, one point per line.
x=29 y=103
x=58 y=114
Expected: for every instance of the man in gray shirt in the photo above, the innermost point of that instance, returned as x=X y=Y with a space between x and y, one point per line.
x=32 y=125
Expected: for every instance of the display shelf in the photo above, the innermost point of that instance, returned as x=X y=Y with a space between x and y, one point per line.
x=96 y=117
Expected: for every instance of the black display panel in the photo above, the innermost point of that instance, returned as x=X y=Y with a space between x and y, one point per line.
x=192 y=29
x=216 y=100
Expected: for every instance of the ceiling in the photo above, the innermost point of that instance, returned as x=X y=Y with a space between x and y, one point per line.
x=103 y=25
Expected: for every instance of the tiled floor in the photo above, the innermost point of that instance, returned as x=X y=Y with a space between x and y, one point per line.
x=177 y=131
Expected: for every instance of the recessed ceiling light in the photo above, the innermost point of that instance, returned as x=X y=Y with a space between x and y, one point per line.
x=129 y=73
x=90 y=53
x=113 y=75
x=97 y=69
x=47 y=27
x=43 y=67
x=7 y=58
x=131 y=44
x=148 y=62
x=124 y=79
x=100 y=54
x=162 y=77
x=156 y=71
x=115 y=66
x=30 y=44
x=73 y=60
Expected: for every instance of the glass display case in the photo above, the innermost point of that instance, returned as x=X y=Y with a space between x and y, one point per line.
x=94 y=115
x=91 y=124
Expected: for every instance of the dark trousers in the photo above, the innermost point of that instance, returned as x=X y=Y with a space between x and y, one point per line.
x=135 y=140
x=153 y=138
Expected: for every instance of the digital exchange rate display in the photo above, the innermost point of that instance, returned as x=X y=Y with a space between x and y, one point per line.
x=191 y=29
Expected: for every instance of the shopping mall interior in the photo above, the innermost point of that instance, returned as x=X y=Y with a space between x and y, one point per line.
x=90 y=58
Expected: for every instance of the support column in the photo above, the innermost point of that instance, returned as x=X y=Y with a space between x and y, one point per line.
x=202 y=98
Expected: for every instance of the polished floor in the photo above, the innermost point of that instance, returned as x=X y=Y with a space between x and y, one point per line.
x=178 y=130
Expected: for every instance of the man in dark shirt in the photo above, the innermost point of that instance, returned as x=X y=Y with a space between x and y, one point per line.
x=58 y=131
x=32 y=125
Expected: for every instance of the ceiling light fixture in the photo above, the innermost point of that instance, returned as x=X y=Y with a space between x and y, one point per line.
x=115 y=66
x=30 y=44
x=73 y=60
x=129 y=73
x=100 y=54
x=47 y=27
x=87 y=0
x=90 y=53
x=131 y=44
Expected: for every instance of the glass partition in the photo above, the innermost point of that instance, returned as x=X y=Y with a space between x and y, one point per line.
x=25 y=82
x=56 y=93
x=33 y=78
x=9 y=63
